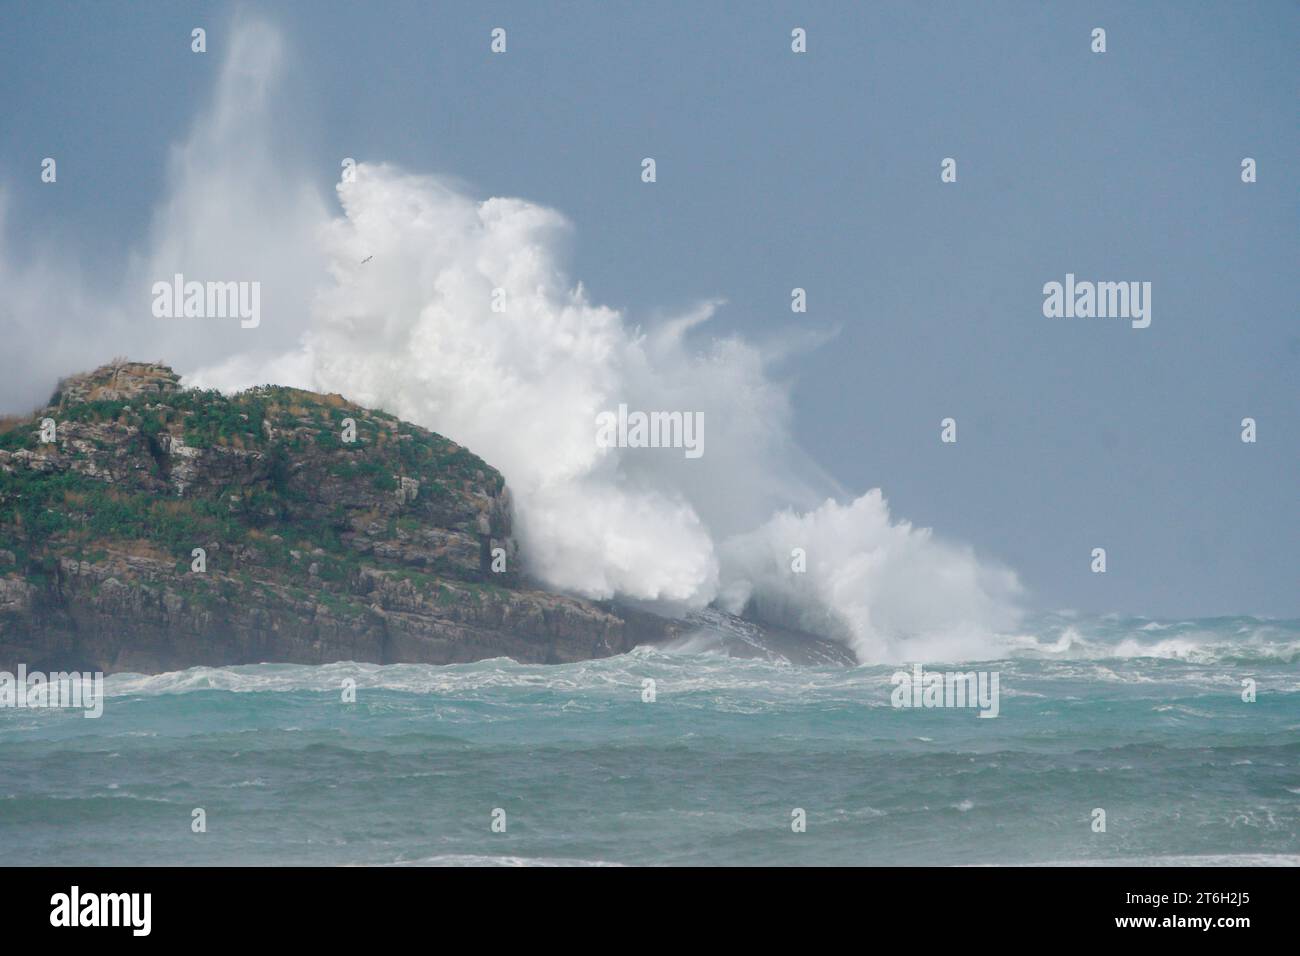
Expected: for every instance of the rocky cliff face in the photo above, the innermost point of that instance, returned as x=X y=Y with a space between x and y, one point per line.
x=146 y=527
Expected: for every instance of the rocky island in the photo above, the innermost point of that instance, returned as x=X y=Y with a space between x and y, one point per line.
x=313 y=548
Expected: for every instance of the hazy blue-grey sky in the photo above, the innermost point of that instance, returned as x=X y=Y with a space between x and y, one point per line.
x=820 y=170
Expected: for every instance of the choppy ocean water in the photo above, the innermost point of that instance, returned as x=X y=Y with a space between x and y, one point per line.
x=1142 y=719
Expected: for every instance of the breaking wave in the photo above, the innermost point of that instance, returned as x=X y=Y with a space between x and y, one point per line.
x=405 y=291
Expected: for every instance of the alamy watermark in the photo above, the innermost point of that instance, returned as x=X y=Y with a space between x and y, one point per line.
x=130 y=910
x=37 y=690
x=208 y=300
x=1101 y=300
x=921 y=688
x=624 y=429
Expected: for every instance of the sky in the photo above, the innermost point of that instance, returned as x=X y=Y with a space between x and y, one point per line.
x=775 y=170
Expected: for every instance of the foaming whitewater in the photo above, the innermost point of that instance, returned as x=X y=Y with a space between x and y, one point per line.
x=1098 y=712
x=1220 y=640
x=891 y=592
x=408 y=323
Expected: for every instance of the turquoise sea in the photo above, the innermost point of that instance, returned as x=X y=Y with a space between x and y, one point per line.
x=1144 y=720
